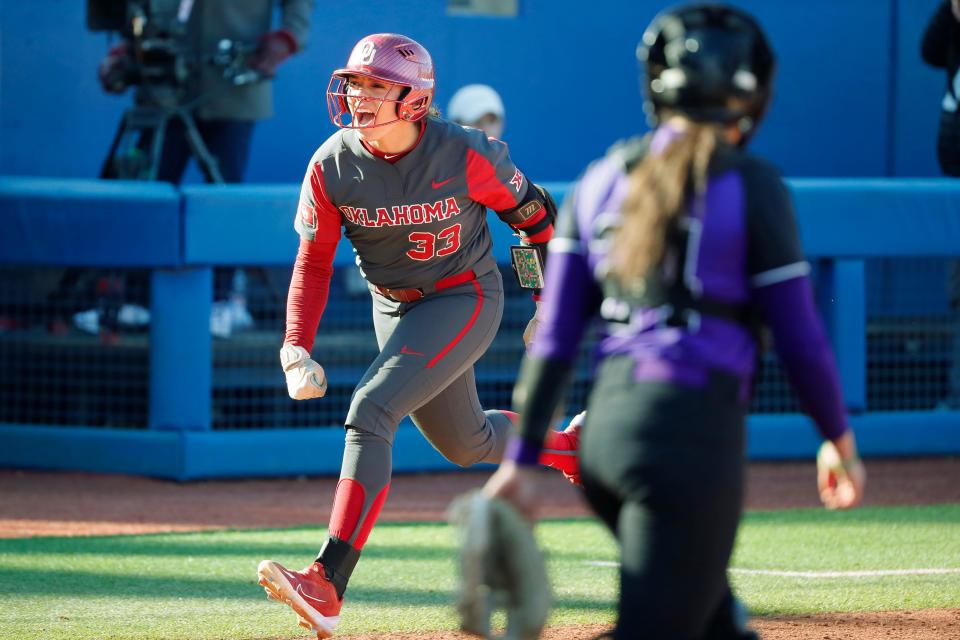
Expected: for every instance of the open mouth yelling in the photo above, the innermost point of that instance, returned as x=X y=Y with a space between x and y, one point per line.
x=364 y=118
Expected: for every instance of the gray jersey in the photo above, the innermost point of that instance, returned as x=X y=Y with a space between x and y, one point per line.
x=419 y=219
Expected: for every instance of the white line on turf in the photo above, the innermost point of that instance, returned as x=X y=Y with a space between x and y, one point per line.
x=815 y=574
x=844 y=574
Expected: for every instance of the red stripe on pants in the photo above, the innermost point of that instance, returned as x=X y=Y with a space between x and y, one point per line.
x=348 y=507
x=466 y=328
x=367 y=525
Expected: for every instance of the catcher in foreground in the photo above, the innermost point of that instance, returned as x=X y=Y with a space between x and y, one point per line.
x=682 y=243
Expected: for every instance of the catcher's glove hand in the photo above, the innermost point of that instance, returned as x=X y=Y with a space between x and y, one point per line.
x=500 y=567
x=305 y=378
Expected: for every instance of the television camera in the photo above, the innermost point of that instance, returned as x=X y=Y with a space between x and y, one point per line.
x=155 y=56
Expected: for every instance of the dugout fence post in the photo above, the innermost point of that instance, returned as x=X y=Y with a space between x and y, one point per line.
x=843 y=303
x=181 y=349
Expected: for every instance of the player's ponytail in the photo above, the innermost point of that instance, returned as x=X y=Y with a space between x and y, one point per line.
x=658 y=194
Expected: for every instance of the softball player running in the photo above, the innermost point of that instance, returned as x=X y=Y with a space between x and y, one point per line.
x=682 y=243
x=410 y=192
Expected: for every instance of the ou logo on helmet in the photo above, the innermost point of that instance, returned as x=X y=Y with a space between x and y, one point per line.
x=367 y=51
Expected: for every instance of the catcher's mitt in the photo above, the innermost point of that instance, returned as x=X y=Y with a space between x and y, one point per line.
x=501 y=567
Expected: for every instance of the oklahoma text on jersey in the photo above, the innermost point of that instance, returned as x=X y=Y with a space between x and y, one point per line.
x=405 y=214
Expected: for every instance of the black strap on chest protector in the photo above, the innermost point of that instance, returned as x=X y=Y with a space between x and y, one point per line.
x=671 y=291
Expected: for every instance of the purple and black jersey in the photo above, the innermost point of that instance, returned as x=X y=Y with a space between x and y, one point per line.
x=742 y=249
x=745 y=198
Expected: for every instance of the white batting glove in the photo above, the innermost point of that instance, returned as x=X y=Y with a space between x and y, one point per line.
x=305 y=378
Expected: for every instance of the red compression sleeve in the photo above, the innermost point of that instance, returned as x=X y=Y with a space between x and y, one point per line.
x=309 y=288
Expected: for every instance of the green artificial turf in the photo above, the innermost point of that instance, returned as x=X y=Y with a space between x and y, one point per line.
x=203 y=585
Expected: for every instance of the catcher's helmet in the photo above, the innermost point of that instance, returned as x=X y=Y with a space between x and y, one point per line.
x=391 y=58
x=710 y=62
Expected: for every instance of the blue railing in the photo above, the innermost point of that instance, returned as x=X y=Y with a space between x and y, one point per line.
x=182 y=235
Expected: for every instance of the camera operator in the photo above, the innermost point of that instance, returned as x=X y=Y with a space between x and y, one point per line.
x=205 y=66
x=225 y=112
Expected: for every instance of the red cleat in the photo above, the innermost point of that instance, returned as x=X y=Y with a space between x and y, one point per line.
x=308 y=592
x=560 y=450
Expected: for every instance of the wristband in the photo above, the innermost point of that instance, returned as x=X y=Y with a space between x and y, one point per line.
x=522 y=451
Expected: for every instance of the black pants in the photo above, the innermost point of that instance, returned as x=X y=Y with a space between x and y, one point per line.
x=948 y=143
x=663 y=467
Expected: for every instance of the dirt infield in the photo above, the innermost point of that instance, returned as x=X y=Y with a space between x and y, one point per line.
x=64 y=504
x=886 y=625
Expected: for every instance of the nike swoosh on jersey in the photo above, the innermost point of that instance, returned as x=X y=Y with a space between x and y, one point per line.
x=404 y=350
x=437 y=185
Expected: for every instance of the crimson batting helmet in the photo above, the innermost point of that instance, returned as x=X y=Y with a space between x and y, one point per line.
x=709 y=62
x=390 y=58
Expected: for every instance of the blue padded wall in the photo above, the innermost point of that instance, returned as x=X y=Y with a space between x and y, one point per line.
x=49 y=221
x=853 y=97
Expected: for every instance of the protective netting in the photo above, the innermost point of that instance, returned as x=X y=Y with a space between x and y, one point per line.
x=75 y=344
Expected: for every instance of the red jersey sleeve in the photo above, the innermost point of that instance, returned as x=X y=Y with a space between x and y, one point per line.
x=492 y=178
x=318 y=223
x=494 y=181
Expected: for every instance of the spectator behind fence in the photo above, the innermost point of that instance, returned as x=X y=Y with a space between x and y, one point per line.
x=478 y=106
x=941 y=48
x=681 y=243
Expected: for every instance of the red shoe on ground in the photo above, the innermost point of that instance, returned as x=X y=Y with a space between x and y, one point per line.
x=308 y=592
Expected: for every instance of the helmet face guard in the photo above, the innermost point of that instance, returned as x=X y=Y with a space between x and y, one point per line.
x=708 y=62
x=394 y=60
x=410 y=106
